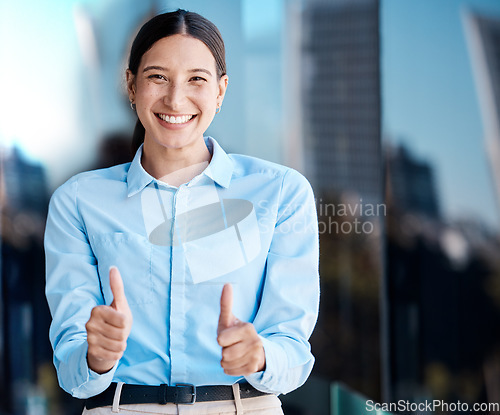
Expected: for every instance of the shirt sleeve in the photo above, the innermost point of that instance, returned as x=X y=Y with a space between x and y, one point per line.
x=290 y=297
x=72 y=289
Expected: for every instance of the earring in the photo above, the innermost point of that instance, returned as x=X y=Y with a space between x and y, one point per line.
x=132 y=105
x=217 y=110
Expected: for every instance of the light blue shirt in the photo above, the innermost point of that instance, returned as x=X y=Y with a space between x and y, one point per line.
x=242 y=220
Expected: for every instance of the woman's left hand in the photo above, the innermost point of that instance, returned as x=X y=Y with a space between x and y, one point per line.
x=242 y=349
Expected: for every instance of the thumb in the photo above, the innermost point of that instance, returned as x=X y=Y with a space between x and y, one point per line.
x=226 y=317
x=119 y=300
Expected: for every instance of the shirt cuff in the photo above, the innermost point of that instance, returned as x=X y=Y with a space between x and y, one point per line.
x=104 y=377
x=94 y=383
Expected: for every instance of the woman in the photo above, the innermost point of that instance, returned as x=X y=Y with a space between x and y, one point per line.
x=188 y=275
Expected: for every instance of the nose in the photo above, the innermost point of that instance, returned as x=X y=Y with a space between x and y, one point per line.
x=174 y=96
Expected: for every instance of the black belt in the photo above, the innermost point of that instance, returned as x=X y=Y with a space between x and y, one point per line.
x=163 y=394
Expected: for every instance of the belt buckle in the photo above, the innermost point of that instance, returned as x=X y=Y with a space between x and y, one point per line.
x=193 y=392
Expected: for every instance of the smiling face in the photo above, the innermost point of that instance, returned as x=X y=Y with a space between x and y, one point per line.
x=176 y=92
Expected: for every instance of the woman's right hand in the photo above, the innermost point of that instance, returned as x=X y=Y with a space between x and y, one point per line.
x=108 y=328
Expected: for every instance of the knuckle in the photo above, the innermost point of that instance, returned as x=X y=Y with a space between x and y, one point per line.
x=91 y=326
x=121 y=319
x=226 y=355
x=249 y=328
x=122 y=336
x=91 y=339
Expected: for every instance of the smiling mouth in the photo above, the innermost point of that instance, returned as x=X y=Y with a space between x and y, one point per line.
x=171 y=119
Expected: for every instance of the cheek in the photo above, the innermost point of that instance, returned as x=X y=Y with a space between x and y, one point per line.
x=206 y=98
x=147 y=91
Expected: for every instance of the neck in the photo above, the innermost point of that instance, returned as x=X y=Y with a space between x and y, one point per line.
x=175 y=166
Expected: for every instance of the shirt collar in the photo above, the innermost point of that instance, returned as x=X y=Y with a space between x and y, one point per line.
x=220 y=169
x=137 y=177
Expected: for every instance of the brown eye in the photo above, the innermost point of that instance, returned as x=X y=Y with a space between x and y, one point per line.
x=157 y=76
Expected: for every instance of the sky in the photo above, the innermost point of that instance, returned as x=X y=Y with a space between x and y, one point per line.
x=39 y=63
x=430 y=102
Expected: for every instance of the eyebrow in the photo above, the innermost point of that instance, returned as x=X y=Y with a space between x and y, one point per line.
x=153 y=68
x=201 y=70
x=161 y=68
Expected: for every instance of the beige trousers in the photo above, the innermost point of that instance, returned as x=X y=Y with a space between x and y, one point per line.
x=262 y=405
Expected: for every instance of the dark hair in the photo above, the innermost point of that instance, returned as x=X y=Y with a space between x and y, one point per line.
x=168 y=24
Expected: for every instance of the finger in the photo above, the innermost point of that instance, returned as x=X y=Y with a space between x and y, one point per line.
x=245 y=370
x=254 y=358
x=108 y=331
x=235 y=364
x=115 y=318
x=253 y=361
x=235 y=334
x=116 y=283
x=102 y=354
x=105 y=316
x=226 y=317
x=97 y=342
x=235 y=352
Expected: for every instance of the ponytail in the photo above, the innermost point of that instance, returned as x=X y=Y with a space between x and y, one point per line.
x=138 y=136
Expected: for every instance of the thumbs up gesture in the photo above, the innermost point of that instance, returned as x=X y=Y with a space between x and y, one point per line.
x=242 y=349
x=108 y=328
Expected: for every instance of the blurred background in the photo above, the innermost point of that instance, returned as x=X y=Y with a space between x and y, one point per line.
x=391 y=108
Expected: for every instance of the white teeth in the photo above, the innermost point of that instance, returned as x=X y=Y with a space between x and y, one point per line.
x=175 y=120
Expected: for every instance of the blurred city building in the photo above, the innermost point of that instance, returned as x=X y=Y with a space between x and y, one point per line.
x=341 y=145
x=410 y=182
x=442 y=282
x=342 y=96
x=483 y=36
x=25 y=317
x=25 y=184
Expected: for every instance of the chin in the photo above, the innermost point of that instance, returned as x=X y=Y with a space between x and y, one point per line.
x=175 y=142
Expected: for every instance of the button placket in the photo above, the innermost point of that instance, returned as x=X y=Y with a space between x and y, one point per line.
x=178 y=323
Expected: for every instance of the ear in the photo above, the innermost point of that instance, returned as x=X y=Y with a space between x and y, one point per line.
x=130 y=85
x=224 y=80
